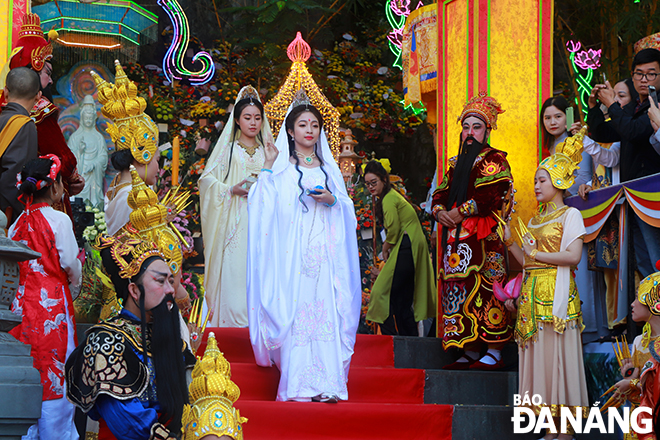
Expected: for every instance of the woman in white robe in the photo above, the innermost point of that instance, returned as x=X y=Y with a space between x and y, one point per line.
x=223 y=188
x=304 y=291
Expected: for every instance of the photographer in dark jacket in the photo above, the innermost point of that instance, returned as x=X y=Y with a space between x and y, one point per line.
x=631 y=126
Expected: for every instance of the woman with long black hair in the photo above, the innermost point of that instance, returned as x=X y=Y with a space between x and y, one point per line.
x=405 y=291
x=303 y=284
x=236 y=160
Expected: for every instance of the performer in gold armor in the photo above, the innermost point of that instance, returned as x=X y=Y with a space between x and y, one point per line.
x=146 y=217
x=113 y=375
x=549 y=317
x=642 y=387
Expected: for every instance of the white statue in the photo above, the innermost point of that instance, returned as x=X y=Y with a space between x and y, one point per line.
x=89 y=147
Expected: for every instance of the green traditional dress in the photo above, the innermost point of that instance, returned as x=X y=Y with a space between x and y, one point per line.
x=399 y=218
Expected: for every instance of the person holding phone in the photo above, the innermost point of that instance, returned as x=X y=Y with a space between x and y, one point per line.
x=631 y=125
x=555 y=129
x=303 y=270
x=223 y=190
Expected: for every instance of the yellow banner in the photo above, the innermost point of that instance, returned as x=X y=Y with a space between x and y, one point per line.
x=420 y=67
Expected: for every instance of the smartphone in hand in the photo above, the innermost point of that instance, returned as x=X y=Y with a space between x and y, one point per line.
x=312 y=191
x=653 y=95
x=570 y=118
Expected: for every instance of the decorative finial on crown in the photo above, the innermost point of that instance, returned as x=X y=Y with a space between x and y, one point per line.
x=212 y=398
x=299 y=50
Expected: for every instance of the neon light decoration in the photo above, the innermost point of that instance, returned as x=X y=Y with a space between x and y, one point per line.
x=396 y=12
x=588 y=61
x=300 y=78
x=173 y=61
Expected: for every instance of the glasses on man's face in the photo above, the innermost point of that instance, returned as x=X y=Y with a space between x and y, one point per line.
x=649 y=76
x=372 y=183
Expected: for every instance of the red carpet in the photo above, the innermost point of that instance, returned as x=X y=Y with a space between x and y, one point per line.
x=384 y=402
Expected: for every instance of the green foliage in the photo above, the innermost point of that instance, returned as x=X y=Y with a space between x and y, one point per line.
x=611 y=25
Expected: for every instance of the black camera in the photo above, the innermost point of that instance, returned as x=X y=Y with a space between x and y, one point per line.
x=81 y=219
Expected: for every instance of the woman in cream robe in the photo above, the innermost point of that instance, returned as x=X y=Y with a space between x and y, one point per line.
x=224 y=212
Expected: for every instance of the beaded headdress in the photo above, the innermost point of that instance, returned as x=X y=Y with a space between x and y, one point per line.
x=212 y=394
x=248 y=92
x=128 y=252
x=300 y=98
x=484 y=107
x=648 y=42
x=32 y=49
x=564 y=163
x=149 y=220
x=132 y=128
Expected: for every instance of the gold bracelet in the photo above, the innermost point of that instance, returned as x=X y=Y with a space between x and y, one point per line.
x=633 y=383
x=532 y=254
x=509 y=242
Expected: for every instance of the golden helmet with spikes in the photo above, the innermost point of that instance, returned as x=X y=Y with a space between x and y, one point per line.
x=649 y=293
x=212 y=395
x=132 y=128
x=149 y=221
x=565 y=162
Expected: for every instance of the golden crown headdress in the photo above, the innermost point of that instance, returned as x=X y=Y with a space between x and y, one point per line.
x=149 y=219
x=212 y=394
x=649 y=293
x=32 y=49
x=132 y=128
x=128 y=252
x=484 y=107
x=564 y=163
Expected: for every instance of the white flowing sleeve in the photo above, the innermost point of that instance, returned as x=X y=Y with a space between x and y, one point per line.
x=602 y=156
x=344 y=255
x=573 y=229
x=66 y=244
x=269 y=313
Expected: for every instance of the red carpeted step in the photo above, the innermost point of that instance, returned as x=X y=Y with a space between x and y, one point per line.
x=365 y=384
x=345 y=420
x=370 y=350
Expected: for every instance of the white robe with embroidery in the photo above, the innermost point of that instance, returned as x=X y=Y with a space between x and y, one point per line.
x=304 y=291
x=224 y=227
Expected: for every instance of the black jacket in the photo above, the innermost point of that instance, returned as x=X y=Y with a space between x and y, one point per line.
x=21 y=150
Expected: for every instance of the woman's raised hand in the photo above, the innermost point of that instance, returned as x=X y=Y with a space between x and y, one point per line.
x=270 y=154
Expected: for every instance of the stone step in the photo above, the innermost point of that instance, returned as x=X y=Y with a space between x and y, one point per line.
x=469 y=387
x=427 y=353
x=485 y=422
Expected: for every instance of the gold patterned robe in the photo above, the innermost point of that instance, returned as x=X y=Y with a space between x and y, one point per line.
x=550 y=320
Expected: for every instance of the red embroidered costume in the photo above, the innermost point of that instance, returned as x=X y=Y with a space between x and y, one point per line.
x=468 y=267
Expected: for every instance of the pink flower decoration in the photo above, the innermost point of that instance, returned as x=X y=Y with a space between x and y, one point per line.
x=573 y=46
x=400 y=7
x=396 y=37
x=588 y=59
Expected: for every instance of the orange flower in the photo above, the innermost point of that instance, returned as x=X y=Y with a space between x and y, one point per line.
x=454 y=260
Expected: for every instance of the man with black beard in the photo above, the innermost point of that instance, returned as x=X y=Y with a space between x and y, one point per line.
x=130 y=374
x=473 y=188
x=32 y=50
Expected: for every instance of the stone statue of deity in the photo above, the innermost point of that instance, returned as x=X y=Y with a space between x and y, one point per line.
x=89 y=147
